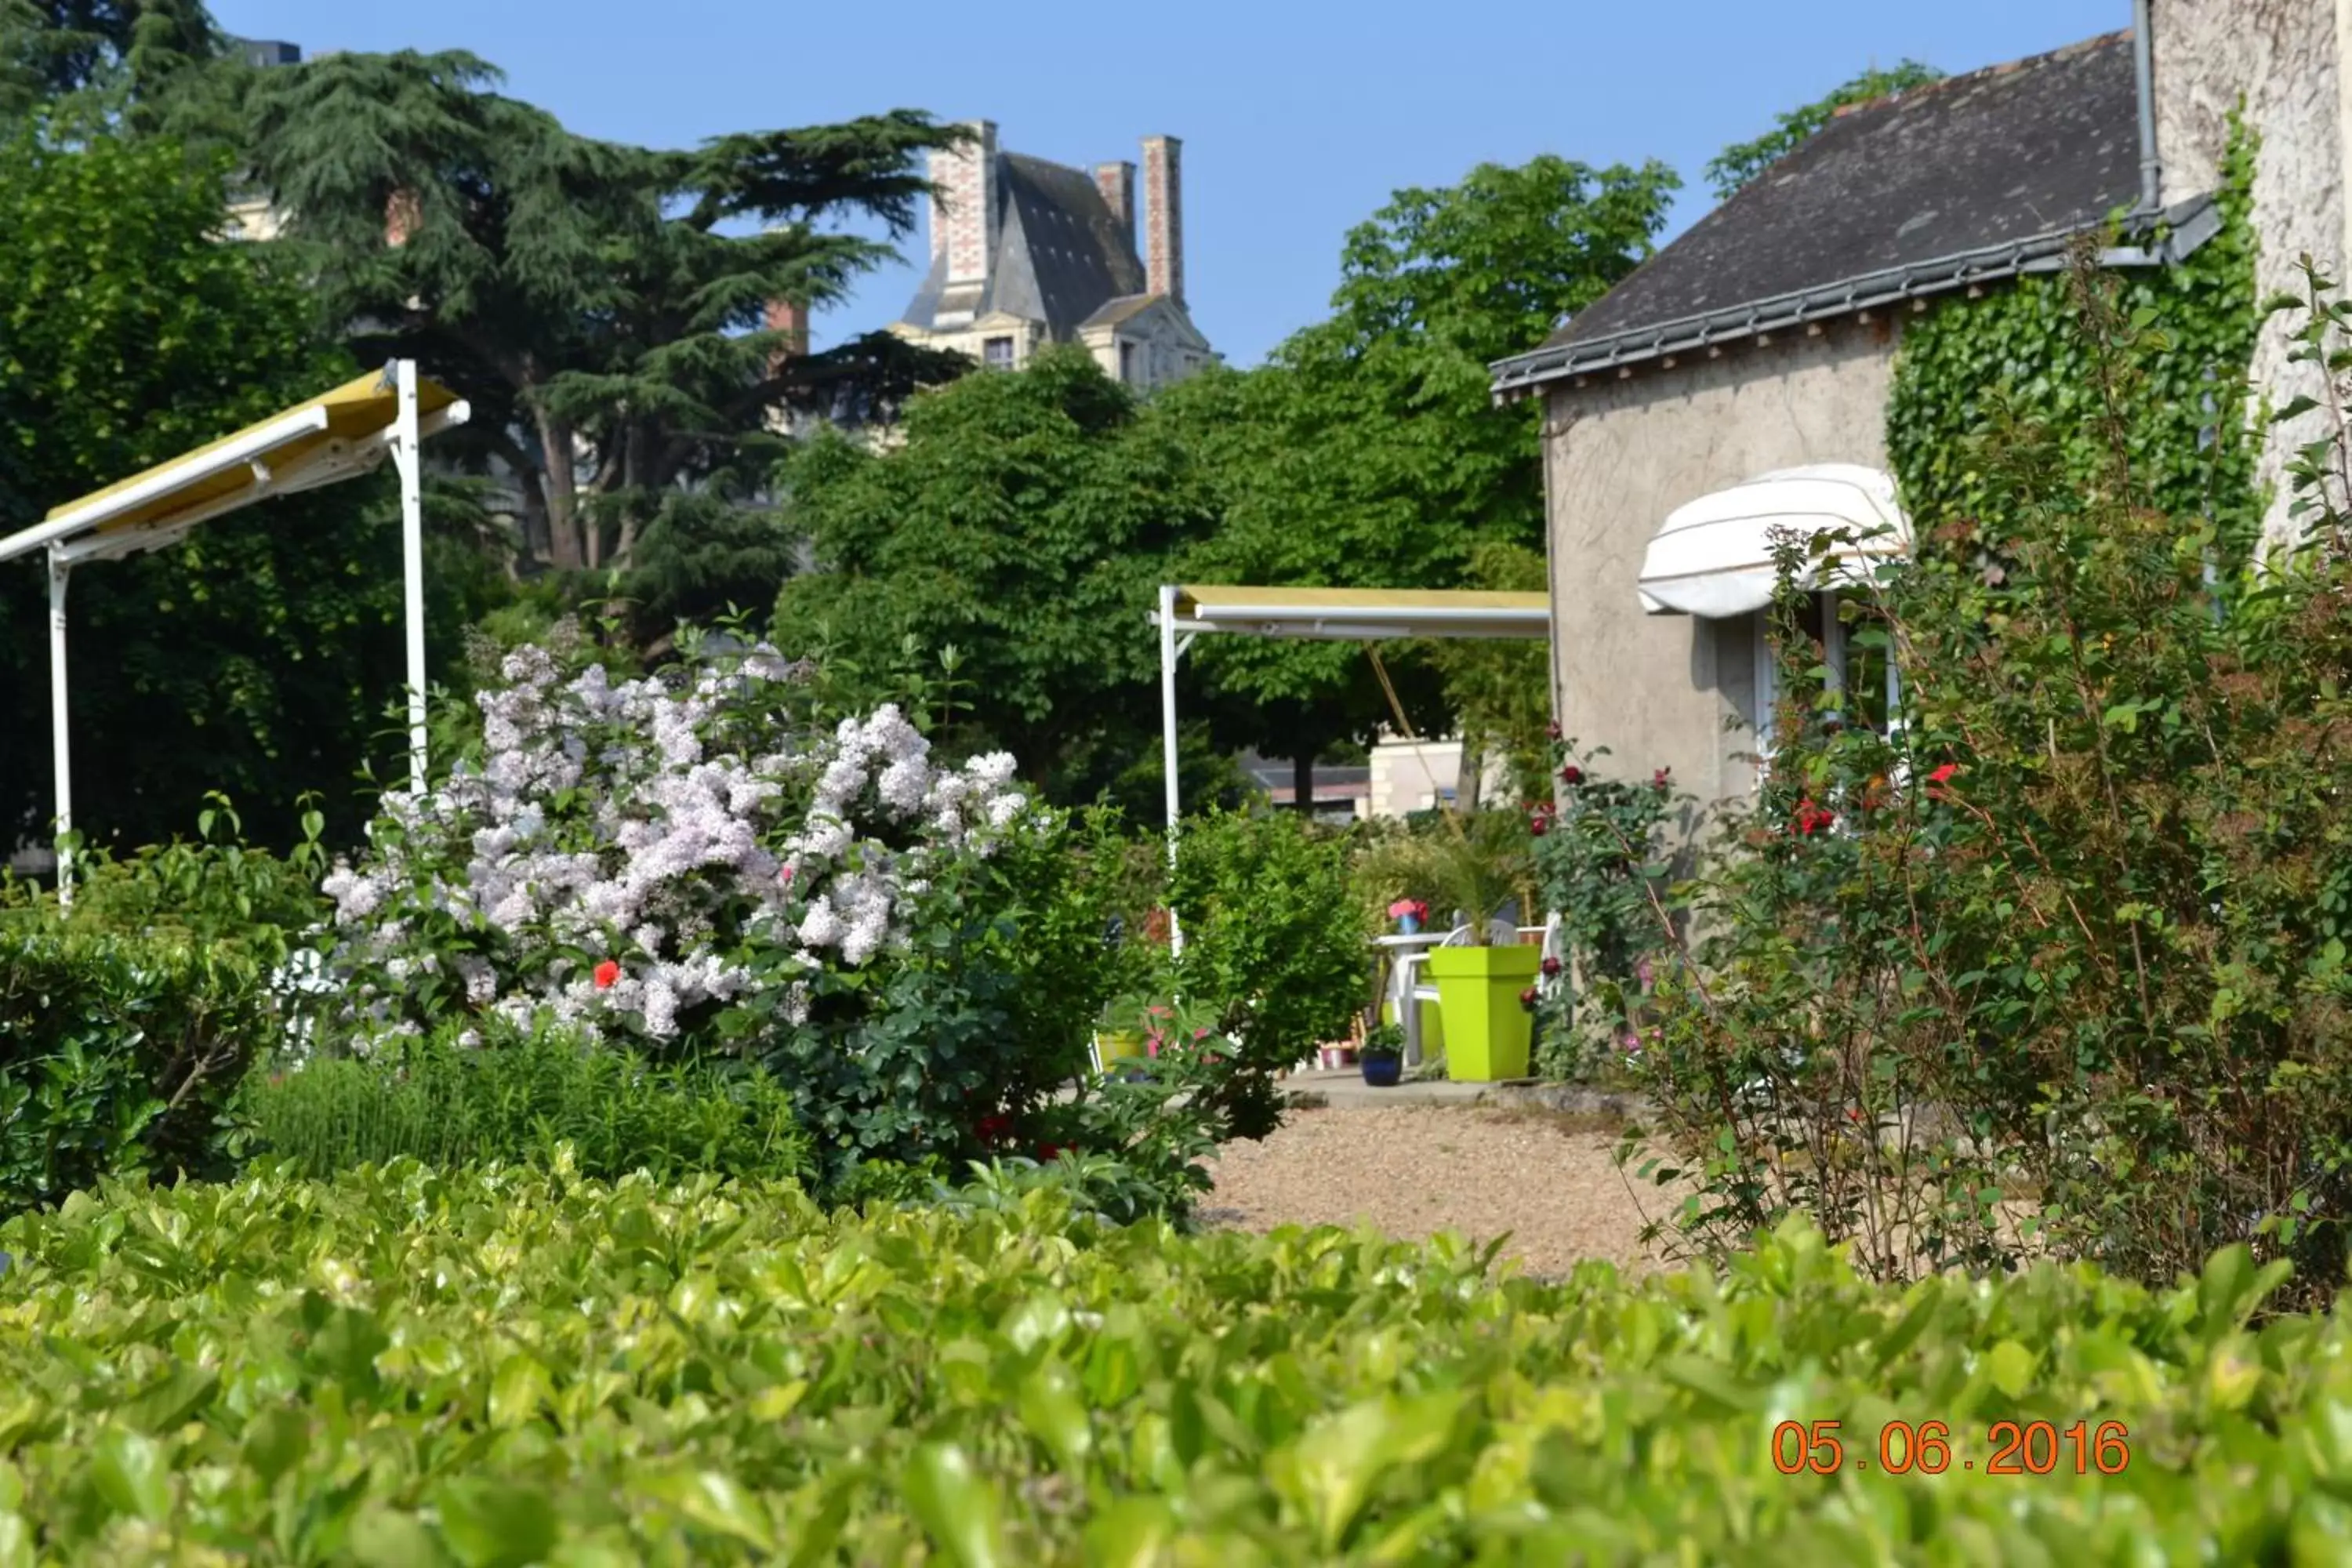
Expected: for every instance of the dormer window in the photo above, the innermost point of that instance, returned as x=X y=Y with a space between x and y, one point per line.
x=1127 y=364
x=996 y=353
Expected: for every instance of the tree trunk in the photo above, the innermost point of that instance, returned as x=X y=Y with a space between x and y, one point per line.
x=561 y=492
x=1469 y=782
x=1302 y=782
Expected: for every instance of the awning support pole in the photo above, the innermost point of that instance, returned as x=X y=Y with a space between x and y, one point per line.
x=406 y=448
x=60 y=748
x=1167 y=739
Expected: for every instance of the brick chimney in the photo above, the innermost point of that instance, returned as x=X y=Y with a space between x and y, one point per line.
x=1164 y=217
x=1117 y=183
x=790 y=319
x=963 y=207
x=402 y=212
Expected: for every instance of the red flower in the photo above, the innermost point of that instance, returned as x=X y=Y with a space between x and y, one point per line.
x=1571 y=774
x=1550 y=967
x=608 y=975
x=1528 y=998
x=990 y=1130
x=1539 y=821
x=1811 y=818
x=1944 y=774
x=1046 y=1151
x=1552 y=728
x=1658 y=780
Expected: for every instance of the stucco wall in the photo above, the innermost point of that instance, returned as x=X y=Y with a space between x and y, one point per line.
x=2281 y=60
x=1657 y=691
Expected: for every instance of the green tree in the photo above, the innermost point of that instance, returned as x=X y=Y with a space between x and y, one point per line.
x=1026 y=520
x=601 y=305
x=1367 y=453
x=1743 y=161
x=254 y=657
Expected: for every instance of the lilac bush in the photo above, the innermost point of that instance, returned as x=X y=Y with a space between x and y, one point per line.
x=630 y=861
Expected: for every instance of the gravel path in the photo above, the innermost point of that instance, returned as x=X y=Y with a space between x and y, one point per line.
x=1413 y=1171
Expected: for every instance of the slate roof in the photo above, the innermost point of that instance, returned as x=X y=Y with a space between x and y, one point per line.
x=1060 y=255
x=1975 y=177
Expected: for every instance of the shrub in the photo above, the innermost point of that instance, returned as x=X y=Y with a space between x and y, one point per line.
x=1604 y=868
x=516 y=1099
x=1274 y=942
x=409 y=1367
x=2060 y=966
x=709 y=861
x=118 y=1055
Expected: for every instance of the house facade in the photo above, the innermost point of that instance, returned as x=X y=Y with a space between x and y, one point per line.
x=1764 y=339
x=1026 y=253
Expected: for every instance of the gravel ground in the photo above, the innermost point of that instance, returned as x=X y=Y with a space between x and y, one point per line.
x=1413 y=1170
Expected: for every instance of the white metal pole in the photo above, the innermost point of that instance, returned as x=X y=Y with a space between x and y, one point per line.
x=1167 y=736
x=60 y=743
x=406 y=453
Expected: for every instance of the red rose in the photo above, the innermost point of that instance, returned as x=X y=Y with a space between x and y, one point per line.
x=1658 y=779
x=608 y=975
x=1048 y=1152
x=990 y=1130
x=1550 y=967
x=1944 y=774
x=1528 y=998
x=1571 y=774
x=1552 y=729
x=1811 y=817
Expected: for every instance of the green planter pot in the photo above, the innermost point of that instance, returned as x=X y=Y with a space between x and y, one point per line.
x=1487 y=1031
x=1117 y=1045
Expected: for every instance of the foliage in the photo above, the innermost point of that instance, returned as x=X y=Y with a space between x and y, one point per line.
x=152 y=64
x=2060 y=966
x=117 y=1054
x=1367 y=452
x=603 y=307
x=2017 y=356
x=1501 y=689
x=252 y=658
x=407 y=1367
x=1466 y=866
x=1605 y=867
x=518 y=1098
x=1742 y=161
x=1273 y=941
x=1026 y=520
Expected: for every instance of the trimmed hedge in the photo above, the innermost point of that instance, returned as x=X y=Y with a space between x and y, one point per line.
x=118 y=1055
x=510 y=1366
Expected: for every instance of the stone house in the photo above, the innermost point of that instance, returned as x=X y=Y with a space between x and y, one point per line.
x=1026 y=253
x=1764 y=339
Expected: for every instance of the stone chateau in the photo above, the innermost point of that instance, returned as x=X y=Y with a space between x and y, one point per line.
x=1026 y=253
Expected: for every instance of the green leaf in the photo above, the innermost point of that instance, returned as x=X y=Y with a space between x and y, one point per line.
x=133 y=1474
x=957 y=1507
x=495 y=1524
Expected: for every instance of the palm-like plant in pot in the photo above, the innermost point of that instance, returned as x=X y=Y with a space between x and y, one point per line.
x=1476 y=865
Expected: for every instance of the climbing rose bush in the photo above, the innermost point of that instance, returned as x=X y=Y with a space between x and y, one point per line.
x=628 y=860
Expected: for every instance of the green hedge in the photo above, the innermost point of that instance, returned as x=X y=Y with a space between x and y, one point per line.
x=515 y=1096
x=508 y=1366
x=117 y=1056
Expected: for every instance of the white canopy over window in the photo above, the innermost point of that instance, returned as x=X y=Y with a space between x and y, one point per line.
x=1713 y=557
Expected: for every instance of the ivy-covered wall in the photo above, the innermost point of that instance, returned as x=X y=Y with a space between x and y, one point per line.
x=2189 y=431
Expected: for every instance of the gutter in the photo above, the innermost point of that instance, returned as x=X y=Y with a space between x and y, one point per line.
x=2151 y=166
x=2176 y=233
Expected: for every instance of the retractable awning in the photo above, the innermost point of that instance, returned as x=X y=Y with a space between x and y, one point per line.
x=1713 y=557
x=1361 y=615
x=1331 y=615
x=338 y=435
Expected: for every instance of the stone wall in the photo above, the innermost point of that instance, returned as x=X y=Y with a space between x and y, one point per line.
x=2279 y=62
x=1621 y=454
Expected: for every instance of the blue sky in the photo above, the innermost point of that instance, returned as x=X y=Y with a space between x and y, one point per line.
x=1298 y=117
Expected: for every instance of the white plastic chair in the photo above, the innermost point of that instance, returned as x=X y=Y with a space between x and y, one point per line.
x=1407 y=992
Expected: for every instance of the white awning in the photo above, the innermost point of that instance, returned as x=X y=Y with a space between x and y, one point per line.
x=1713 y=557
x=1362 y=615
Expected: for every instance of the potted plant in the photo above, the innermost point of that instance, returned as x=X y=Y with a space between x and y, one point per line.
x=1478 y=865
x=1119 y=1032
x=1409 y=914
x=1382 y=1055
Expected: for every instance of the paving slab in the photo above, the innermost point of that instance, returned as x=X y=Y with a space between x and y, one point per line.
x=1345 y=1088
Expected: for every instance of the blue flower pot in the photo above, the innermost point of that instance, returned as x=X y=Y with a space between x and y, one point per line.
x=1383 y=1074
x=1409 y=925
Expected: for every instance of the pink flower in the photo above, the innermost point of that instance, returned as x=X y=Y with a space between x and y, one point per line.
x=608 y=975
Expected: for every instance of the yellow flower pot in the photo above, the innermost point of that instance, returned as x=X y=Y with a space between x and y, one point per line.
x=1488 y=1031
x=1117 y=1045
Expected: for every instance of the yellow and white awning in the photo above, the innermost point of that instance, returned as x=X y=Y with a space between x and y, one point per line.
x=1713 y=557
x=1361 y=615
x=335 y=436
